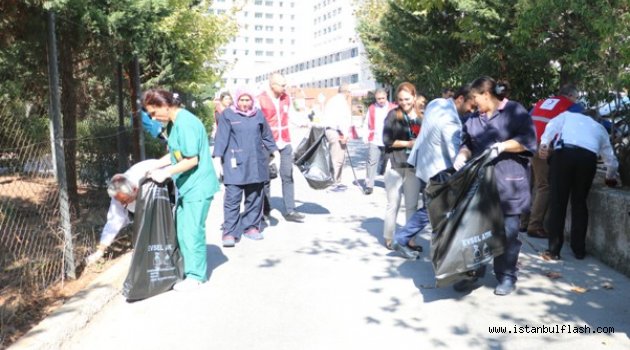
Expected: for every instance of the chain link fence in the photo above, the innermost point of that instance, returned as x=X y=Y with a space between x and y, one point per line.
x=32 y=243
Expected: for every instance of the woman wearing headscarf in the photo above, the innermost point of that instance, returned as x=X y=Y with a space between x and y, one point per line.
x=190 y=165
x=505 y=127
x=243 y=144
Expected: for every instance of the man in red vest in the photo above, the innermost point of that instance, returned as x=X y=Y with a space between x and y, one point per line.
x=542 y=113
x=274 y=103
x=374 y=135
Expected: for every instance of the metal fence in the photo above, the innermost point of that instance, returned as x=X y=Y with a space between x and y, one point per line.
x=33 y=247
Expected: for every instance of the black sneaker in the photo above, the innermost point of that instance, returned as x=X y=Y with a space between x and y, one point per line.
x=294 y=216
x=368 y=191
x=405 y=251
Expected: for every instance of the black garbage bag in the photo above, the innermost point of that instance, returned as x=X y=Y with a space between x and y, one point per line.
x=157 y=263
x=312 y=157
x=467 y=219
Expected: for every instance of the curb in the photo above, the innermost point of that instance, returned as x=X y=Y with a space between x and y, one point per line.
x=75 y=314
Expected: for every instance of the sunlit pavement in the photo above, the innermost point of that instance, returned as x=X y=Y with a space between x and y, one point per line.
x=328 y=283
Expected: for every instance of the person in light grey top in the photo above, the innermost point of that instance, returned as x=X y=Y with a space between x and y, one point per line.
x=577 y=140
x=440 y=135
x=432 y=153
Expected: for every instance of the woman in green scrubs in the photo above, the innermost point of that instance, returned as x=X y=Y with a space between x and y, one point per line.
x=190 y=165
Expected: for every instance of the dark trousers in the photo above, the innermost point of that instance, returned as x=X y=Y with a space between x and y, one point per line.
x=286 y=176
x=234 y=222
x=571 y=174
x=505 y=264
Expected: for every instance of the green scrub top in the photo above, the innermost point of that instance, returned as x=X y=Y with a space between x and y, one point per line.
x=187 y=138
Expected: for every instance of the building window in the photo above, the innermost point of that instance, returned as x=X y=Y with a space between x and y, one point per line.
x=246 y=39
x=235 y=81
x=292 y=41
x=258 y=15
x=281 y=41
x=354 y=52
x=257 y=28
x=292 y=4
x=269 y=40
x=338 y=81
x=268 y=3
x=281 y=28
x=220 y=12
x=258 y=40
x=292 y=29
x=233 y=52
x=281 y=53
x=354 y=78
x=258 y=2
x=280 y=15
x=269 y=28
x=259 y=53
x=269 y=15
x=269 y=53
x=246 y=52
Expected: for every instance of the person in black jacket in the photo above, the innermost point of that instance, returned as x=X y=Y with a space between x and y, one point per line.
x=398 y=138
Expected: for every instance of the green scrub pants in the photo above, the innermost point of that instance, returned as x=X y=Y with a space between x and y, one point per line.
x=191 y=236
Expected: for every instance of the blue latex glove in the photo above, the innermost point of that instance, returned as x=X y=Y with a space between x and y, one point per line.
x=153 y=127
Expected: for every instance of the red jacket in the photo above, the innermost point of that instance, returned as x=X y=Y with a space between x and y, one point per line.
x=270 y=113
x=547 y=109
x=372 y=116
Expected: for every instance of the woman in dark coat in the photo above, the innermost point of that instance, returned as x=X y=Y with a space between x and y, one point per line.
x=243 y=144
x=505 y=127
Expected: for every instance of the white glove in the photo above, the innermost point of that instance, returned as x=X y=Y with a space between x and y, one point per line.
x=497 y=149
x=218 y=167
x=460 y=161
x=160 y=175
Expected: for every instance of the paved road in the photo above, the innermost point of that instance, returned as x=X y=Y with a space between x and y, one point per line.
x=329 y=284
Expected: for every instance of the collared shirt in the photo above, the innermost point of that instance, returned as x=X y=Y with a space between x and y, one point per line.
x=380 y=113
x=582 y=131
x=510 y=122
x=439 y=140
x=337 y=114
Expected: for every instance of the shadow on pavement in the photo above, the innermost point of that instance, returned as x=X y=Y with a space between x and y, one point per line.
x=215 y=258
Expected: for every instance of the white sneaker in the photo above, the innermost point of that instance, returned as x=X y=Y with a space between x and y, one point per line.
x=94 y=257
x=187 y=285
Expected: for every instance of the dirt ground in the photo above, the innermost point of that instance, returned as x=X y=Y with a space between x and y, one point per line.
x=29 y=310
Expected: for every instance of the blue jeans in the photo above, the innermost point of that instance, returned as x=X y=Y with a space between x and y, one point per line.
x=415 y=224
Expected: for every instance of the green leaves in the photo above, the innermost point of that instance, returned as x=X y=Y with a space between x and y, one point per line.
x=535 y=45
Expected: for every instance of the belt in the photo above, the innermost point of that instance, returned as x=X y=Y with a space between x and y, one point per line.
x=570 y=146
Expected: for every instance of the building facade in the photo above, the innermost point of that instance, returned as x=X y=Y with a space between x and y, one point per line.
x=313 y=43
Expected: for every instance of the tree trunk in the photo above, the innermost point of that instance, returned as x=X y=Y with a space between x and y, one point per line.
x=69 y=109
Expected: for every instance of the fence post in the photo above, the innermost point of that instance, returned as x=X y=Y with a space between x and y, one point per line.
x=122 y=151
x=64 y=203
x=138 y=106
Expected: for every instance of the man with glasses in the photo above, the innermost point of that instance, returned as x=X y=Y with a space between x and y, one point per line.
x=274 y=103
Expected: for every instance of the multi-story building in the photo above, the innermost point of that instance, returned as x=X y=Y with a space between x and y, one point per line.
x=313 y=43
x=269 y=31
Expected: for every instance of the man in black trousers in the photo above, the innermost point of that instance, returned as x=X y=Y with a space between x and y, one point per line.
x=576 y=140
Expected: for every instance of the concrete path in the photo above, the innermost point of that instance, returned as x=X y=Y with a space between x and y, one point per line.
x=330 y=284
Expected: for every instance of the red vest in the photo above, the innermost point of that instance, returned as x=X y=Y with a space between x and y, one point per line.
x=372 y=117
x=547 y=109
x=270 y=113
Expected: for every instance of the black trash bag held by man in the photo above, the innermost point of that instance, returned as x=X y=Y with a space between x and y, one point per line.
x=467 y=219
x=312 y=157
x=157 y=263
